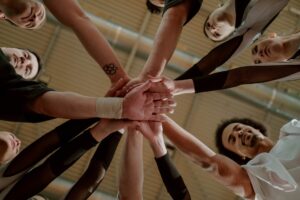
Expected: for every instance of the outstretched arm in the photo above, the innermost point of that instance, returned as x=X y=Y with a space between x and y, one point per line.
x=38 y=178
x=131 y=172
x=231 y=78
x=223 y=169
x=96 y=170
x=69 y=13
x=168 y=172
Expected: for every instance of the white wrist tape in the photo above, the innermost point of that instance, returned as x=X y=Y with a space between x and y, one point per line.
x=109 y=107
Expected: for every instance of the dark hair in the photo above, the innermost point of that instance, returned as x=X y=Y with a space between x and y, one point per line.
x=221 y=148
x=39 y=61
x=153 y=8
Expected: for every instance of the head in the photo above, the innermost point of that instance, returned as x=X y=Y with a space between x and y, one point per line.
x=28 y=14
x=155 y=6
x=38 y=197
x=240 y=139
x=25 y=62
x=9 y=146
x=219 y=25
x=271 y=49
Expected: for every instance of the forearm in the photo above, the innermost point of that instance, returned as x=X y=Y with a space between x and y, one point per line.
x=70 y=14
x=171 y=178
x=165 y=40
x=47 y=143
x=183 y=87
x=97 y=168
x=215 y=58
x=131 y=172
x=187 y=143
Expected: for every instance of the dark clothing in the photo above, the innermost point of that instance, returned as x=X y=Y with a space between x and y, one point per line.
x=194 y=8
x=240 y=7
x=16 y=93
x=96 y=170
x=172 y=179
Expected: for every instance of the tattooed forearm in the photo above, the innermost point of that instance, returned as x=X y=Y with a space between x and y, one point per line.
x=110 y=69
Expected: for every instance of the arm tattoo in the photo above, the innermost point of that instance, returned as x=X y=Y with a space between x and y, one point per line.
x=110 y=69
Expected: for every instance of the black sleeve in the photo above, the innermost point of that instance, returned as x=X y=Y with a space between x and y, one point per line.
x=245 y=75
x=215 y=58
x=46 y=144
x=211 y=82
x=37 y=179
x=196 y=5
x=96 y=170
x=172 y=179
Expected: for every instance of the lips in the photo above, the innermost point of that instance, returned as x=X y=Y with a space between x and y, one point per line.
x=248 y=140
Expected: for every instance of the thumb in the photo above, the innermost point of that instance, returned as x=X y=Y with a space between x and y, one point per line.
x=144 y=87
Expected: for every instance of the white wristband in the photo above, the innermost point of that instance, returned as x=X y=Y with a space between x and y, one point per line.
x=109 y=107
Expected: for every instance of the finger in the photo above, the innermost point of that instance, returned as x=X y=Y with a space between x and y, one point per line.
x=159 y=96
x=158 y=110
x=118 y=85
x=129 y=88
x=164 y=104
x=154 y=79
x=157 y=118
x=144 y=87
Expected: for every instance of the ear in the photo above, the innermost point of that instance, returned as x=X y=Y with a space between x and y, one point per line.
x=272 y=35
x=2 y=15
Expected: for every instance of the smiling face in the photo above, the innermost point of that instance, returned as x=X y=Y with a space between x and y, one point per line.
x=29 y=15
x=9 y=146
x=270 y=50
x=218 y=26
x=242 y=139
x=24 y=62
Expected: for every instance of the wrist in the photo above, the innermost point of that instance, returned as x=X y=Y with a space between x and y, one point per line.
x=183 y=87
x=158 y=146
x=109 y=107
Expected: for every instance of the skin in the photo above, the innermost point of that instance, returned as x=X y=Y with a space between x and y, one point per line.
x=245 y=141
x=24 y=62
x=221 y=22
x=222 y=169
x=275 y=48
x=158 y=3
x=24 y=14
x=9 y=146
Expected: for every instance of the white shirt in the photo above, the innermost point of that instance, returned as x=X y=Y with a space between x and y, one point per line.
x=258 y=15
x=276 y=175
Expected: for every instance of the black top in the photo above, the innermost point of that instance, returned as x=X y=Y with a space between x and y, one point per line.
x=194 y=8
x=240 y=7
x=15 y=94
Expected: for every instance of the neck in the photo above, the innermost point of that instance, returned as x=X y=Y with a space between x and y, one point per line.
x=291 y=44
x=229 y=11
x=265 y=145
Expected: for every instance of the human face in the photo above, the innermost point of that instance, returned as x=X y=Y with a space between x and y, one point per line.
x=24 y=62
x=217 y=26
x=29 y=14
x=242 y=139
x=269 y=50
x=9 y=146
x=158 y=3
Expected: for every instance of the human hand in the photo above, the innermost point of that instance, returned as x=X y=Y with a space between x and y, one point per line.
x=139 y=104
x=132 y=83
x=162 y=84
x=151 y=130
x=106 y=126
x=112 y=92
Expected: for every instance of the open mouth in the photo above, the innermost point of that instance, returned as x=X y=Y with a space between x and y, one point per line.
x=249 y=140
